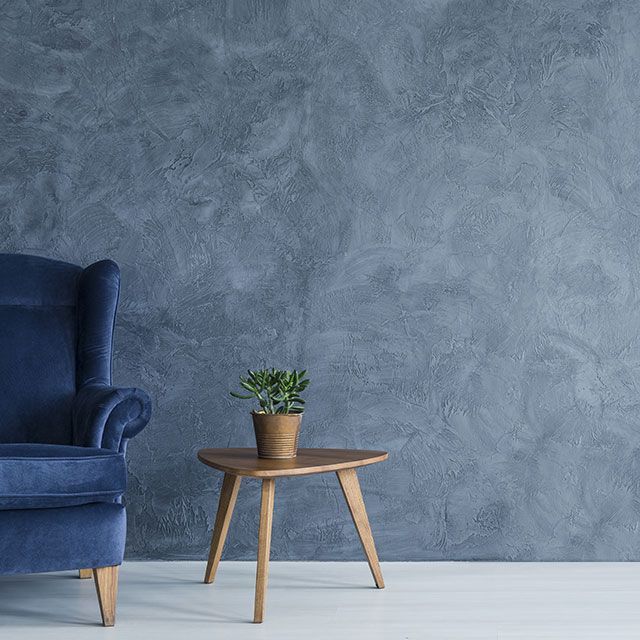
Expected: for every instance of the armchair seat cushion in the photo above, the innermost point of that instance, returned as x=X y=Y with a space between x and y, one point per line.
x=34 y=476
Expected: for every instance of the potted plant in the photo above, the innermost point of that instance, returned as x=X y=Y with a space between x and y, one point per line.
x=277 y=423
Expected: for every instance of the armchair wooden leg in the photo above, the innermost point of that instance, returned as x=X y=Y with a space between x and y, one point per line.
x=106 y=579
x=83 y=574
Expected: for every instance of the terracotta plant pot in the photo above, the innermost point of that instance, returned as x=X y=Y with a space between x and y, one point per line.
x=276 y=434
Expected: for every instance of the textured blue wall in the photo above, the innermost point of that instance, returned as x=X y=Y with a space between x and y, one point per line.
x=431 y=205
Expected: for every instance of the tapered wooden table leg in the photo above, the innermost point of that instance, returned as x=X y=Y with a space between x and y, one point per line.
x=264 y=546
x=353 y=495
x=227 y=502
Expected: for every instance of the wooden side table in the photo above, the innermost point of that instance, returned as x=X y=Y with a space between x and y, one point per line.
x=245 y=462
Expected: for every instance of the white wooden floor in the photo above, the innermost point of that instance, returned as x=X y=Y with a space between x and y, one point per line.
x=438 y=600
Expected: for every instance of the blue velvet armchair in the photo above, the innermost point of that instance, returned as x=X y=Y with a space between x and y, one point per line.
x=63 y=428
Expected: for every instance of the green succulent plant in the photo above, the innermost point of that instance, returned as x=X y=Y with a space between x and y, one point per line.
x=275 y=390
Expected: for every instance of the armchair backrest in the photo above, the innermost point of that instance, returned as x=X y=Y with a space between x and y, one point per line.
x=56 y=334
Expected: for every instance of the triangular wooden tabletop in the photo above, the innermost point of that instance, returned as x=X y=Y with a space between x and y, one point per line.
x=245 y=462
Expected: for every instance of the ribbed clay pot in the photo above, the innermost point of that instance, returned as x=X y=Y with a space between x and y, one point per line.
x=277 y=434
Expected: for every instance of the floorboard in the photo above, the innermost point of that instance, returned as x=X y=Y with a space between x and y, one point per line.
x=438 y=600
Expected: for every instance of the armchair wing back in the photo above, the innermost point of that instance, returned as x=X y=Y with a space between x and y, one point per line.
x=56 y=335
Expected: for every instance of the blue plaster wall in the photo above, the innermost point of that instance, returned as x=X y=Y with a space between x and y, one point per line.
x=434 y=206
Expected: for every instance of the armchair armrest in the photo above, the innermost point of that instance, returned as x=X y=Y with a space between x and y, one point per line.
x=106 y=416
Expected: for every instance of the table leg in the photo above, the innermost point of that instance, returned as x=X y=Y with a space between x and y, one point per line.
x=264 y=546
x=228 y=495
x=353 y=495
